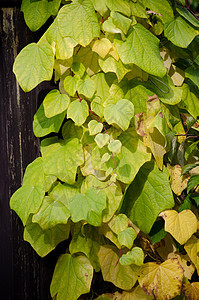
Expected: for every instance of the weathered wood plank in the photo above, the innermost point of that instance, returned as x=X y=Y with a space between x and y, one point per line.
x=24 y=275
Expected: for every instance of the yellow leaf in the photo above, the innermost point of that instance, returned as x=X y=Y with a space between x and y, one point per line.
x=137 y=294
x=163 y=281
x=180 y=225
x=102 y=47
x=178 y=182
x=192 y=249
x=123 y=277
x=185 y=263
x=191 y=290
x=177 y=75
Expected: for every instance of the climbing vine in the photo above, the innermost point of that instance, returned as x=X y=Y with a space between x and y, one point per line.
x=118 y=173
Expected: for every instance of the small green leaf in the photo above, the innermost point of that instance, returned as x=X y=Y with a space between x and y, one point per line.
x=44 y=241
x=97 y=106
x=193 y=74
x=55 y=103
x=51 y=213
x=34 y=173
x=63 y=192
x=88 y=206
x=78 y=68
x=37 y=58
x=121 y=21
x=179 y=32
x=135 y=256
x=193 y=182
x=102 y=139
x=127 y=237
x=119 y=113
x=78 y=111
x=100 y=6
x=118 y=223
x=70 y=85
x=62 y=158
x=147 y=196
x=102 y=47
x=190 y=101
x=142 y=49
x=115 y=146
x=112 y=65
x=36 y=13
x=79 y=21
x=94 y=127
x=86 y=87
x=43 y=125
x=120 y=6
x=72 y=277
x=27 y=200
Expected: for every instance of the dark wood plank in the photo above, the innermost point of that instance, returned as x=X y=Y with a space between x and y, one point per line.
x=24 y=275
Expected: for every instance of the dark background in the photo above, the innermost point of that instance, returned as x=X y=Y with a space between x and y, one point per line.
x=23 y=274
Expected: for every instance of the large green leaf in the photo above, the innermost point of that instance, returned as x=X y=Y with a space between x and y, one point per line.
x=86 y=240
x=71 y=278
x=55 y=103
x=190 y=102
x=64 y=46
x=142 y=49
x=51 y=213
x=43 y=125
x=179 y=32
x=33 y=65
x=147 y=196
x=36 y=13
x=88 y=206
x=44 y=241
x=78 y=111
x=79 y=21
x=119 y=113
x=133 y=155
x=27 y=200
x=62 y=158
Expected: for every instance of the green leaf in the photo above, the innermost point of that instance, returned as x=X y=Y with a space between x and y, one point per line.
x=123 y=277
x=162 y=7
x=72 y=277
x=118 y=223
x=62 y=158
x=185 y=205
x=44 y=241
x=121 y=21
x=43 y=125
x=189 y=101
x=138 y=9
x=112 y=65
x=102 y=139
x=115 y=146
x=33 y=65
x=94 y=127
x=26 y=200
x=97 y=106
x=193 y=74
x=179 y=32
x=69 y=130
x=37 y=13
x=109 y=27
x=193 y=182
x=102 y=87
x=188 y=168
x=100 y=6
x=34 y=173
x=127 y=237
x=64 y=46
x=86 y=239
x=142 y=49
x=188 y=16
x=157 y=232
x=119 y=113
x=88 y=206
x=135 y=256
x=86 y=87
x=113 y=193
x=147 y=196
x=78 y=111
x=78 y=68
x=64 y=192
x=55 y=103
x=119 y=5
x=79 y=21
x=70 y=85
x=133 y=155
x=89 y=59
x=102 y=47
x=51 y=213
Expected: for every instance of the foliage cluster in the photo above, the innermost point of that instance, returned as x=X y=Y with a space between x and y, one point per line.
x=118 y=172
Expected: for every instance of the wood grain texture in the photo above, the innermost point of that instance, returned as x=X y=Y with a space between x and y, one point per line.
x=23 y=274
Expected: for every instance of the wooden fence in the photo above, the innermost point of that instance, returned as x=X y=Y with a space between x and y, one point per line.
x=24 y=275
